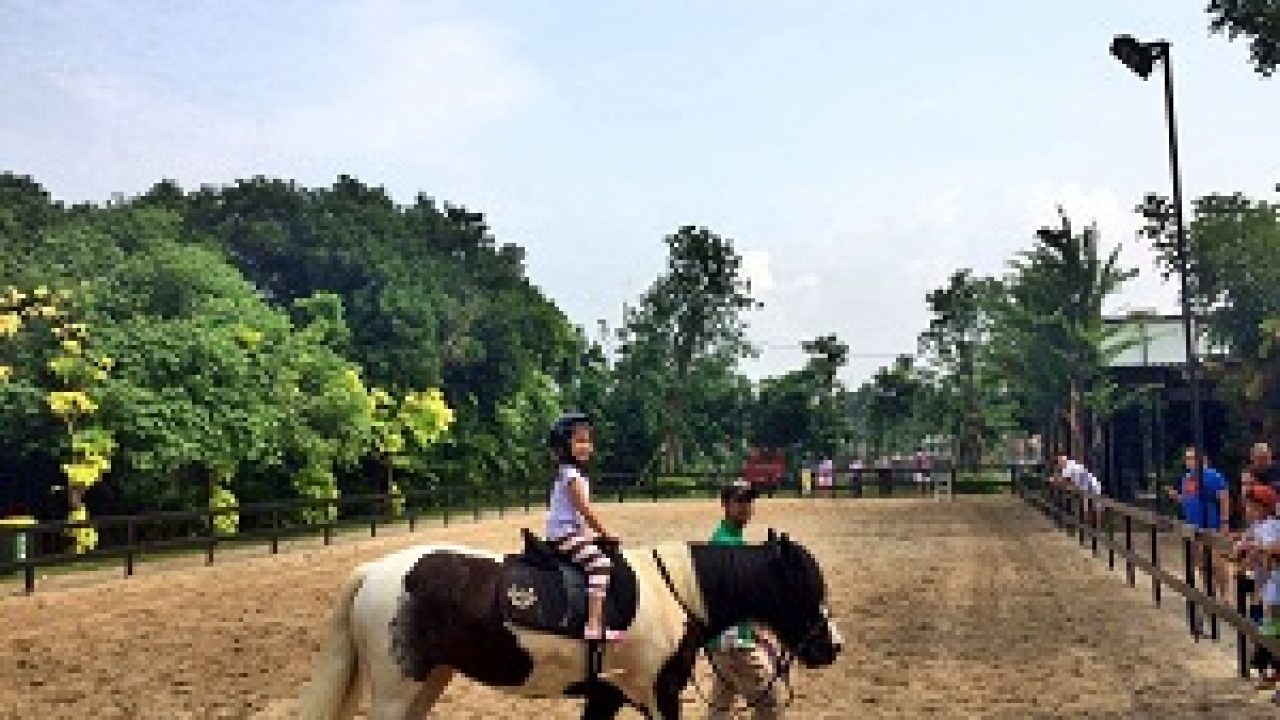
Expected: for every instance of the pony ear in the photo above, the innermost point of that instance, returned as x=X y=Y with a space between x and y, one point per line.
x=773 y=536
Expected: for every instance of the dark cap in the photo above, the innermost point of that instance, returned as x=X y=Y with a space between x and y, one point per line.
x=739 y=491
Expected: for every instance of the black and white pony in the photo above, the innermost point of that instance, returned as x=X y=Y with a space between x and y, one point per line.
x=405 y=623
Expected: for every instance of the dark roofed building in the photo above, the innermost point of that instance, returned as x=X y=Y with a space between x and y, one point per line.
x=1142 y=443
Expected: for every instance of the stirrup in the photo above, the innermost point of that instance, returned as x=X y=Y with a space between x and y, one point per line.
x=606 y=636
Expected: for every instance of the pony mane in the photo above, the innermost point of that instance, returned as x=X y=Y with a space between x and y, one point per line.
x=778 y=584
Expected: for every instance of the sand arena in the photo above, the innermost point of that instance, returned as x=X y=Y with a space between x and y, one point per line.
x=971 y=609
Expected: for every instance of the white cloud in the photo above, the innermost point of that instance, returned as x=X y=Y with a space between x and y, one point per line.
x=940 y=209
x=757 y=266
x=395 y=89
x=807 y=281
x=417 y=89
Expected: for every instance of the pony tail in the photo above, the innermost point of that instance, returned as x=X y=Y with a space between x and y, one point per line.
x=331 y=693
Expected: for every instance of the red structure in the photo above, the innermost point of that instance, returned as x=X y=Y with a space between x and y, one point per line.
x=764 y=468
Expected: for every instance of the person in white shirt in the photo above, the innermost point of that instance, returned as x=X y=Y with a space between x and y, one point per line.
x=1074 y=474
x=1070 y=471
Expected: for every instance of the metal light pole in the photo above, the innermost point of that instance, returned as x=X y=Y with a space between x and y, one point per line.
x=1140 y=58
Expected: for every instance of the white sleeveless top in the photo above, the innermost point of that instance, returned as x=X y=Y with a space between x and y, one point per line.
x=562 y=517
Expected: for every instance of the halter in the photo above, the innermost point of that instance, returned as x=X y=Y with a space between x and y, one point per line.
x=782 y=664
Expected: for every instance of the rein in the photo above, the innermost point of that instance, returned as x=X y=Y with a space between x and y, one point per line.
x=781 y=664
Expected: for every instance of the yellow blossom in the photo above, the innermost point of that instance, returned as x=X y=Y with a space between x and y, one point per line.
x=9 y=324
x=85 y=538
x=71 y=347
x=248 y=336
x=73 y=402
x=82 y=474
x=5 y=372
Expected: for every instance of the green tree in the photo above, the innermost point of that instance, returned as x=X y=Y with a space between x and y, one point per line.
x=1233 y=260
x=689 y=323
x=1257 y=20
x=1050 y=342
x=956 y=345
x=894 y=398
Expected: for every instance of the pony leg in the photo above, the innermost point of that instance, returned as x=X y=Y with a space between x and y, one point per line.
x=668 y=705
x=603 y=703
x=398 y=698
x=430 y=691
x=393 y=702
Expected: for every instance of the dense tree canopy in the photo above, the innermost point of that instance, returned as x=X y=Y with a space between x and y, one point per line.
x=1256 y=20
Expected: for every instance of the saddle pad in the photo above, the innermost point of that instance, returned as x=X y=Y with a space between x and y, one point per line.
x=536 y=596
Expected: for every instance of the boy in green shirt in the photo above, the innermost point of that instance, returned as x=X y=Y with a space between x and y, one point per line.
x=742 y=665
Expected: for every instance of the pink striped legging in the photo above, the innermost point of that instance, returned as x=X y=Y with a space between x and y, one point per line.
x=584 y=553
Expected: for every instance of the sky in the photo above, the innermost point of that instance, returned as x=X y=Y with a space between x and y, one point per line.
x=856 y=152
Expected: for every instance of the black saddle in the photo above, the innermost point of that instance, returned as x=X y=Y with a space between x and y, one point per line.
x=540 y=589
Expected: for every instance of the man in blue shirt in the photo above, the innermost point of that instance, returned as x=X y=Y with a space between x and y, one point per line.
x=1206 y=516
x=1189 y=495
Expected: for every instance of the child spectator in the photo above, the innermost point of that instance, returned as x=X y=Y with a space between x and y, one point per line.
x=1258 y=548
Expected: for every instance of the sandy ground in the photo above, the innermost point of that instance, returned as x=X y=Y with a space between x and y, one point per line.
x=971 y=609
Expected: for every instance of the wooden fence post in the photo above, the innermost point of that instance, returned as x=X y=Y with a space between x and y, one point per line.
x=1155 y=562
x=131 y=539
x=1128 y=546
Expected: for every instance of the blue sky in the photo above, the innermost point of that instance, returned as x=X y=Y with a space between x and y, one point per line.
x=857 y=152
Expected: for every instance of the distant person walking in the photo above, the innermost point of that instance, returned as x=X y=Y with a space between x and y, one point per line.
x=923 y=471
x=826 y=476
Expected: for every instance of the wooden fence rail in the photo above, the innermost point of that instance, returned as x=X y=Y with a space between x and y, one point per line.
x=1095 y=520
x=128 y=538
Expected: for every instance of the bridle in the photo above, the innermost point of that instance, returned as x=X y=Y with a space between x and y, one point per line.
x=781 y=662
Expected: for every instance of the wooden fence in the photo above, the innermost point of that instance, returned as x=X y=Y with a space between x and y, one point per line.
x=1141 y=538
x=128 y=538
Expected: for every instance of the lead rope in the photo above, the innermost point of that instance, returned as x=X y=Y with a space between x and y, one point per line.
x=781 y=665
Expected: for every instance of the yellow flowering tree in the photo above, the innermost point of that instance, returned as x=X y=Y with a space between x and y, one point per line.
x=418 y=419
x=73 y=374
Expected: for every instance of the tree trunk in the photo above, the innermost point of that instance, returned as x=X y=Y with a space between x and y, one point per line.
x=1075 y=424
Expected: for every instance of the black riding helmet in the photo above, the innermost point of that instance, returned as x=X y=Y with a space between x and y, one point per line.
x=561 y=432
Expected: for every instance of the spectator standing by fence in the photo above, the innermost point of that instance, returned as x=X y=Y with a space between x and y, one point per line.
x=1263 y=467
x=1257 y=549
x=1192 y=498
x=1076 y=475
x=1204 y=507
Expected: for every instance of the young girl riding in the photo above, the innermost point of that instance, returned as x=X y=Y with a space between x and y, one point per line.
x=570 y=513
